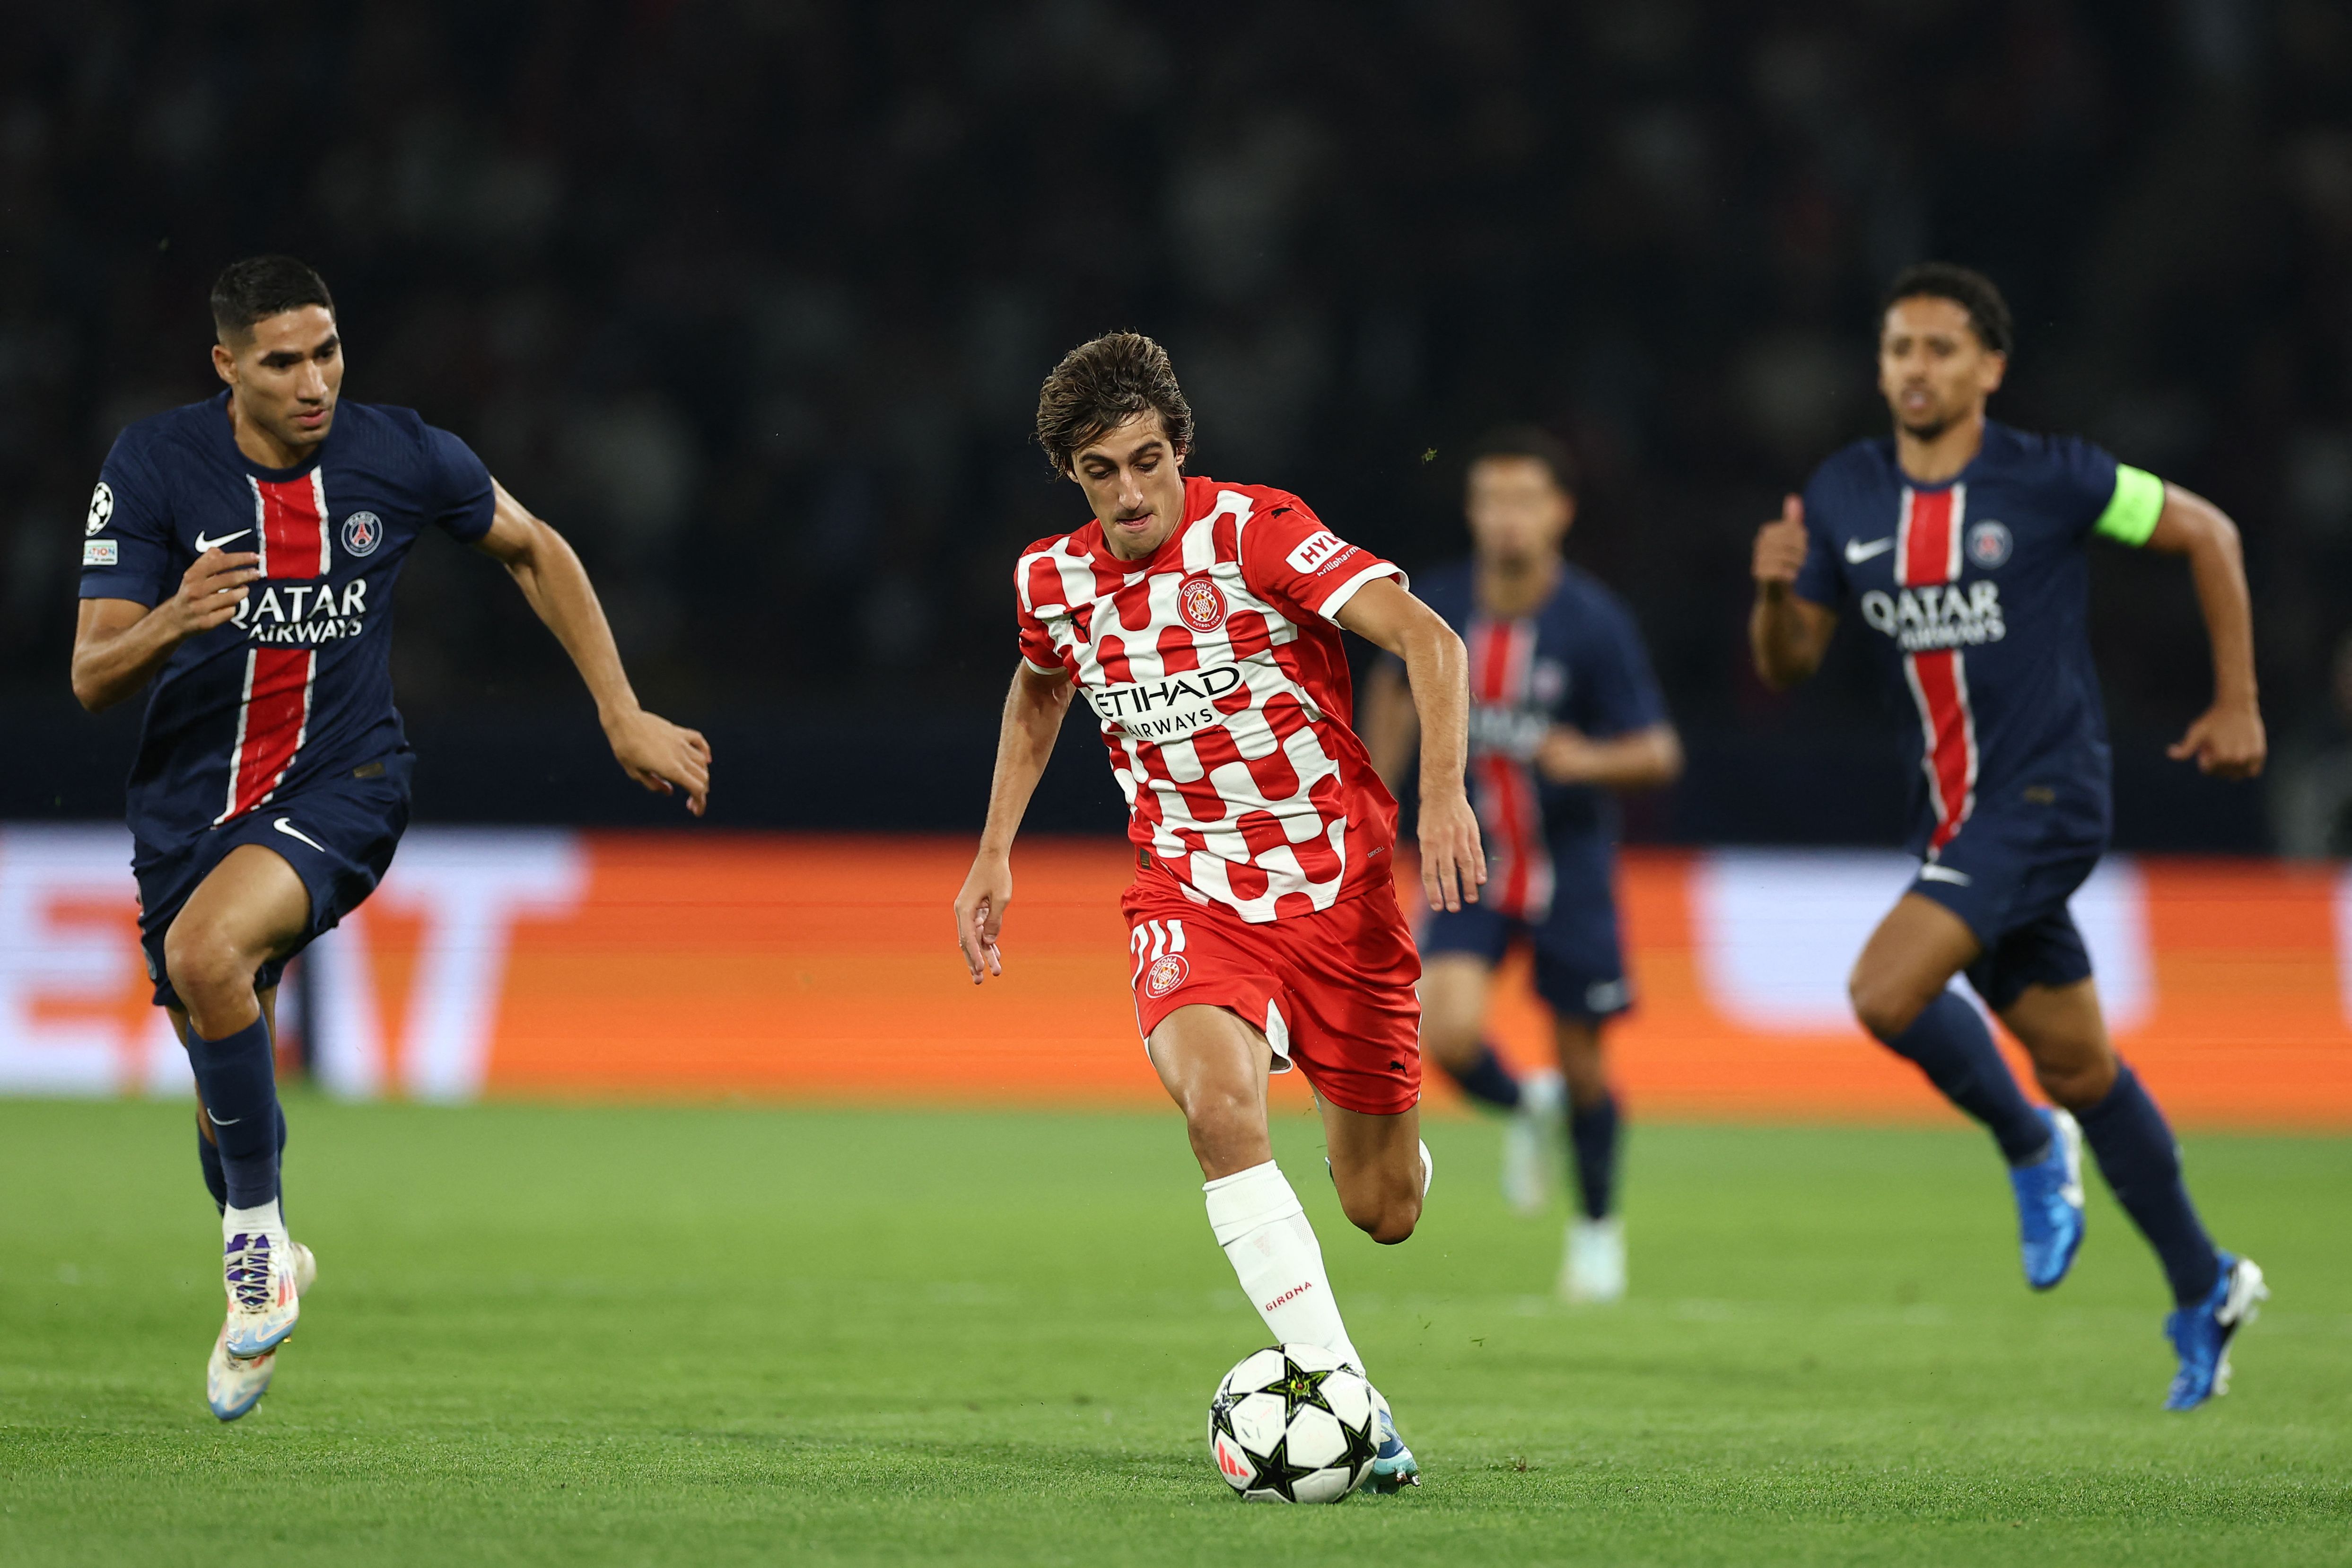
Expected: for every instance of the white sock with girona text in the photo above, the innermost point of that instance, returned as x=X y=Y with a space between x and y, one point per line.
x=1259 y=1221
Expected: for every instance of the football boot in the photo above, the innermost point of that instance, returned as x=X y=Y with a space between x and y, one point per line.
x=1531 y=1143
x=235 y=1384
x=2201 y=1334
x=2049 y=1204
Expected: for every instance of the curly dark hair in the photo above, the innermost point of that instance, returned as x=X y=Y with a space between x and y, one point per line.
x=1966 y=286
x=1101 y=384
x=263 y=286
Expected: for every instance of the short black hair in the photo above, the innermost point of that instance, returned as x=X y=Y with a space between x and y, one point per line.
x=263 y=286
x=1532 y=441
x=1966 y=286
x=1100 y=385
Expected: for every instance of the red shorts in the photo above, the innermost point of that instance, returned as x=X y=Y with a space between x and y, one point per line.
x=1333 y=991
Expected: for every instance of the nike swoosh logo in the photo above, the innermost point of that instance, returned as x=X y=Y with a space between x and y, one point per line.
x=1856 y=552
x=1943 y=874
x=218 y=1123
x=204 y=544
x=286 y=827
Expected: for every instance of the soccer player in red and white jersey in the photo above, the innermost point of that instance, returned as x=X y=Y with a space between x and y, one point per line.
x=1201 y=621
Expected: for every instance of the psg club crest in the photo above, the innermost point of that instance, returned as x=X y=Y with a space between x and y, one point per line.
x=1988 y=543
x=362 y=531
x=1167 y=972
x=1202 y=603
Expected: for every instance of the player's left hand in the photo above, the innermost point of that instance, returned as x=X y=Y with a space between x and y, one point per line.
x=2226 y=741
x=662 y=756
x=1566 y=756
x=1452 y=859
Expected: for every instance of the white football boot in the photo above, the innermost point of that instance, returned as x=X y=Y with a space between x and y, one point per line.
x=258 y=1265
x=235 y=1384
x=1531 y=1143
x=1594 y=1269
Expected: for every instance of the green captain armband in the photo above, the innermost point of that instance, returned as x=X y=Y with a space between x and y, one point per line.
x=2132 y=511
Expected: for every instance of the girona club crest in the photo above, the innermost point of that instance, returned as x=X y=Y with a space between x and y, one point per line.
x=1202 y=603
x=1167 y=972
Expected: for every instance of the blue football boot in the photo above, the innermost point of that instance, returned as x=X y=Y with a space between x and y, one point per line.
x=2201 y=1334
x=1394 y=1467
x=2049 y=1204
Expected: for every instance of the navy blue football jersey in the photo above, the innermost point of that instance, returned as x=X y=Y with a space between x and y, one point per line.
x=1577 y=661
x=1973 y=595
x=298 y=687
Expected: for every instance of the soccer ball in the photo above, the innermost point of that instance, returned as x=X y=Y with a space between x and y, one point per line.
x=1293 y=1423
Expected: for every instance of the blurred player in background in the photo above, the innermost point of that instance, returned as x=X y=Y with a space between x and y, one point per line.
x=240 y=555
x=1200 y=620
x=1563 y=712
x=1962 y=544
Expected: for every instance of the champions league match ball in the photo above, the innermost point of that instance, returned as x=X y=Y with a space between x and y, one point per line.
x=1292 y=1424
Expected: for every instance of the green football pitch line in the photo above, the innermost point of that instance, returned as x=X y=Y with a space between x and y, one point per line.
x=723 y=1335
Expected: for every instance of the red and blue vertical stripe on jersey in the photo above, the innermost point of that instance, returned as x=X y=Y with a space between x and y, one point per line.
x=1928 y=556
x=273 y=716
x=1510 y=808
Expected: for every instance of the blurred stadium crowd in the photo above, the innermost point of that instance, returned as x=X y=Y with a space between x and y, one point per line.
x=751 y=297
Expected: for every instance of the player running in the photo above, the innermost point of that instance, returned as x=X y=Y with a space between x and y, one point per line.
x=1961 y=544
x=1563 y=710
x=240 y=555
x=1200 y=619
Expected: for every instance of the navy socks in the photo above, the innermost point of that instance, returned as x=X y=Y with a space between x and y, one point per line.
x=1489 y=1080
x=2141 y=1162
x=238 y=1080
x=216 y=1178
x=1950 y=1044
x=1592 y=1139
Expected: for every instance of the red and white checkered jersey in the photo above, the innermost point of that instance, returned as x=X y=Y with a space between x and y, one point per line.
x=1216 y=671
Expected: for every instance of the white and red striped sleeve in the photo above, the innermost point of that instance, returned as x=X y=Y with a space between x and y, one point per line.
x=1040 y=593
x=1289 y=558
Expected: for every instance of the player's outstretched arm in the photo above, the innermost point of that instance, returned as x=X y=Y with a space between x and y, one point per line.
x=1453 y=860
x=1787 y=634
x=660 y=755
x=2227 y=739
x=120 y=644
x=1033 y=711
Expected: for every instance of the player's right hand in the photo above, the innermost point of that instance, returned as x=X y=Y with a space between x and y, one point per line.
x=210 y=591
x=980 y=914
x=1453 y=855
x=1780 y=546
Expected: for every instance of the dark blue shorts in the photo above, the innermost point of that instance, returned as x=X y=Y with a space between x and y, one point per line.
x=337 y=834
x=2008 y=878
x=1579 y=962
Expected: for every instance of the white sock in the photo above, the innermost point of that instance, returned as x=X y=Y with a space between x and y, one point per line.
x=1259 y=1222
x=262 y=1217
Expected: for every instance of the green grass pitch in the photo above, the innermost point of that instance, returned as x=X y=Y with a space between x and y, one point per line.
x=724 y=1335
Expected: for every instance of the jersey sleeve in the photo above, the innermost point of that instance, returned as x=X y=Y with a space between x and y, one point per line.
x=2099 y=495
x=1291 y=560
x=1818 y=581
x=1036 y=593
x=460 y=485
x=126 y=547
x=1620 y=691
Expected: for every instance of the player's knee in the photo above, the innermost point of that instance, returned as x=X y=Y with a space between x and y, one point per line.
x=2076 y=1085
x=202 y=960
x=1220 y=1120
x=1385 y=1211
x=1392 y=1220
x=1883 y=1006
